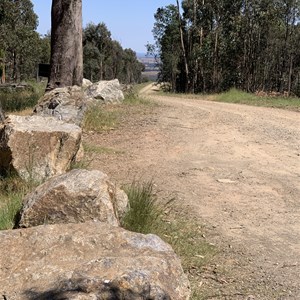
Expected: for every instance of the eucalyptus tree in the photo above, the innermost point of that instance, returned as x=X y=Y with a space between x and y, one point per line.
x=247 y=44
x=97 y=45
x=66 y=64
x=18 y=39
x=168 y=45
x=105 y=59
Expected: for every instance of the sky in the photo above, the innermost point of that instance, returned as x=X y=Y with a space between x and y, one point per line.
x=129 y=21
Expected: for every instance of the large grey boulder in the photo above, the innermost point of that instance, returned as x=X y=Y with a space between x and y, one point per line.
x=36 y=147
x=90 y=260
x=77 y=196
x=106 y=92
x=67 y=104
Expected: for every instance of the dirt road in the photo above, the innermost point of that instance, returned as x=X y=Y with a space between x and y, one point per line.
x=237 y=169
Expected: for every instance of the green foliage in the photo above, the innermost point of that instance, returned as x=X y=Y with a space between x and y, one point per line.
x=134 y=99
x=167 y=36
x=12 y=99
x=9 y=211
x=21 y=45
x=18 y=39
x=249 y=45
x=12 y=191
x=237 y=96
x=144 y=214
x=105 y=59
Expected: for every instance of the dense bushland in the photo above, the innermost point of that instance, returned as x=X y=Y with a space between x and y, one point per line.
x=213 y=46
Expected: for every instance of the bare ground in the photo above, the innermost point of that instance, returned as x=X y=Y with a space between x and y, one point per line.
x=236 y=169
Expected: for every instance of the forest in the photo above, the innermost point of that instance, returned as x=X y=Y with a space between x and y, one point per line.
x=212 y=46
x=22 y=48
x=201 y=46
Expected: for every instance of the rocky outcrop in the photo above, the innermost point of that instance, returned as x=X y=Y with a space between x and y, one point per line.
x=67 y=104
x=106 y=91
x=90 y=260
x=77 y=196
x=36 y=147
x=86 y=83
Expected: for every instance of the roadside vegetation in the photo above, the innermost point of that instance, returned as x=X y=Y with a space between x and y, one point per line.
x=101 y=117
x=148 y=215
x=240 y=97
x=98 y=119
x=214 y=46
x=12 y=191
x=15 y=99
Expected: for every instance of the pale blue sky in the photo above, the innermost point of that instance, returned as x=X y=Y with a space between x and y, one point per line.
x=129 y=21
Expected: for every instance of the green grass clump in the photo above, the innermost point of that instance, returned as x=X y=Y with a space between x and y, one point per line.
x=97 y=118
x=240 y=97
x=236 y=96
x=9 y=211
x=12 y=191
x=144 y=213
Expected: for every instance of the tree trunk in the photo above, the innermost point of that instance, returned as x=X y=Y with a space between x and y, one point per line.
x=66 y=44
x=290 y=76
x=2 y=65
x=187 y=80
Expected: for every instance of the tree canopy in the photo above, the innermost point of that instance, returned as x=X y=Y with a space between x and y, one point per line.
x=251 y=45
x=105 y=59
x=22 y=48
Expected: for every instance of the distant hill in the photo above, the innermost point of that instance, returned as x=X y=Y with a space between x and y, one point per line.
x=142 y=55
x=150 y=63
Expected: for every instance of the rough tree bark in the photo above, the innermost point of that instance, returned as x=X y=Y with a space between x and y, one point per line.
x=66 y=64
x=2 y=70
x=187 y=80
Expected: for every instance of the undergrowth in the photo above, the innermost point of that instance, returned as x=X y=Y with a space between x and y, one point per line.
x=12 y=191
x=240 y=97
x=99 y=117
x=134 y=99
x=18 y=99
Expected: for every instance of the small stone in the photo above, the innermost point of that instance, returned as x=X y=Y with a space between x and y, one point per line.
x=226 y=180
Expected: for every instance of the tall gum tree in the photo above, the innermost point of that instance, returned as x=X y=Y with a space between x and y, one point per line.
x=66 y=63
